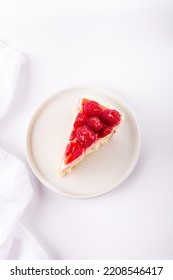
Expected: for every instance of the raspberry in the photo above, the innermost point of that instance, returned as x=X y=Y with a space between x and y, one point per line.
x=105 y=131
x=80 y=119
x=72 y=135
x=92 y=108
x=85 y=136
x=111 y=117
x=95 y=124
x=77 y=152
x=69 y=149
x=74 y=152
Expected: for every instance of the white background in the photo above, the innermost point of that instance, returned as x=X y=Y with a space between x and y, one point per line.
x=125 y=46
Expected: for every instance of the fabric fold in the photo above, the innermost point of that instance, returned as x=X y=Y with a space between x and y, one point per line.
x=15 y=188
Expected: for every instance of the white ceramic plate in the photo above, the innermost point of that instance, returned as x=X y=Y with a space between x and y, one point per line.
x=101 y=171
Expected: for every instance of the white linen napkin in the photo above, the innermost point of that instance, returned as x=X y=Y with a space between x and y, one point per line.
x=15 y=189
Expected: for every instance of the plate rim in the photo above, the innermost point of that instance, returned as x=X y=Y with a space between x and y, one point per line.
x=30 y=160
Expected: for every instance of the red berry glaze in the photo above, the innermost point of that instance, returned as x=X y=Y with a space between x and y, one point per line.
x=80 y=119
x=94 y=123
x=72 y=135
x=77 y=152
x=105 y=131
x=92 y=109
x=69 y=149
x=111 y=117
x=85 y=136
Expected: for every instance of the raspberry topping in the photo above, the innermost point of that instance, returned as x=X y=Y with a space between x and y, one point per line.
x=105 y=131
x=73 y=151
x=77 y=152
x=69 y=149
x=72 y=135
x=95 y=124
x=85 y=136
x=80 y=119
x=111 y=117
x=94 y=121
x=92 y=108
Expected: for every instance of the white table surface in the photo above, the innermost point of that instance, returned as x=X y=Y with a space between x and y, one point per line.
x=124 y=46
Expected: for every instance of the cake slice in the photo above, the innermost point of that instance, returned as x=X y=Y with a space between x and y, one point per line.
x=94 y=124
